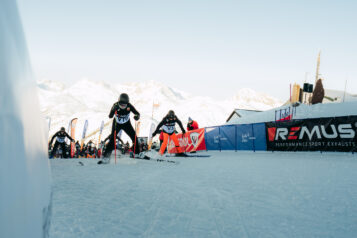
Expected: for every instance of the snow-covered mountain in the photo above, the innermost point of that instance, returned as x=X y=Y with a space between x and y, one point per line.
x=247 y=98
x=92 y=100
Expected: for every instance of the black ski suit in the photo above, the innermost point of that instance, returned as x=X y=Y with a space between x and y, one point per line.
x=122 y=122
x=108 y=138
x=60 y=141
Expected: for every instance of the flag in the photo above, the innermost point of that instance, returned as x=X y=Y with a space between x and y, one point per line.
x=73 y=134
x=84 y=132
x=68 y=130
x=152 y=129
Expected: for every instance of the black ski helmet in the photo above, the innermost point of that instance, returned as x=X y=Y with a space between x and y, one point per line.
x=124 y=98
x=171 y=113
x=62 y=128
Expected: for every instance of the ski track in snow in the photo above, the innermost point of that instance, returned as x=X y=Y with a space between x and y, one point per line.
x=230 y=194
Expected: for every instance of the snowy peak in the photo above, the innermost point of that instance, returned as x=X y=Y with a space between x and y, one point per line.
x=50 y=85
x=247 y=98
x=153 y=88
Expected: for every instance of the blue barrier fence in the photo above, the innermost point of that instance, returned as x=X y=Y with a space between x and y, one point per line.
x=236 y=137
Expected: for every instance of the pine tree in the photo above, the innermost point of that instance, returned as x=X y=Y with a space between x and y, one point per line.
x=319 y=93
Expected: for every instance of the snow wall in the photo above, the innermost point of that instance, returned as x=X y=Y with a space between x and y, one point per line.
x=25 y=186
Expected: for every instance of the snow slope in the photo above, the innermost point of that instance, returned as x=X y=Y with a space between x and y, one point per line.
x=249 y=99
x=91 y=100
x=231 y=194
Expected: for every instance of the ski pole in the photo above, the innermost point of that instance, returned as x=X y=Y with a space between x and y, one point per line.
x=115 y=137
x=135 y=140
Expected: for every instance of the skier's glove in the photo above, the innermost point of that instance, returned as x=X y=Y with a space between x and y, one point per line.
x=137 y=117
x=154 y=134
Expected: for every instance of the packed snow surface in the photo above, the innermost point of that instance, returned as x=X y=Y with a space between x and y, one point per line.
x=230 y=194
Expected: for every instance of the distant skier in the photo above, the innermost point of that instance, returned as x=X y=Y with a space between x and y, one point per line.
x=191 y=125
x=60 y=141
x=120 y=143
x=90 y=145
x=121 y=113
x=168 y=126
x=90 y=149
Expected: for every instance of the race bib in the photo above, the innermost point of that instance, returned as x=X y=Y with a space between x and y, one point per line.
x=121 y=119
x=60 y=139
x=168 y=129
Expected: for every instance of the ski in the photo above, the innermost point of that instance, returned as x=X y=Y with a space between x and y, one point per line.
x=145 y=157
x=141 y=157
x=189 y=156
x=158 y=160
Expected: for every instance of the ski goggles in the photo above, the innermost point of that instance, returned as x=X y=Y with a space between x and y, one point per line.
x=123 y=105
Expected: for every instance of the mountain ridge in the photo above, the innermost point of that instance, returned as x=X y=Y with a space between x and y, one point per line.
x=92 y=100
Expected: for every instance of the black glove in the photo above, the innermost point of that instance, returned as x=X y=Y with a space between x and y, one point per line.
x=137 y=117
x=154 y=134
x=72 y=140
x=183 y=132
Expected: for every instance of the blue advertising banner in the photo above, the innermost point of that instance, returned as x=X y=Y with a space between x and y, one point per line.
x=259 y=134
x=245 y=137
x=228 y=137
x=212 y=138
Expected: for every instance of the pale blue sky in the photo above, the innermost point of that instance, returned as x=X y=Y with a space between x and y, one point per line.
x=203 y=47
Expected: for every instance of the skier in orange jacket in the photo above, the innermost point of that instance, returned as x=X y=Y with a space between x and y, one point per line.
x=168 y=127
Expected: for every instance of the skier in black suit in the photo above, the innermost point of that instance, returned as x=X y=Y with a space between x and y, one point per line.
x=121 y=113
x=60 y=141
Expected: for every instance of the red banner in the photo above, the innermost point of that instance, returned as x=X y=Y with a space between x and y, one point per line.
x=192 y=141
